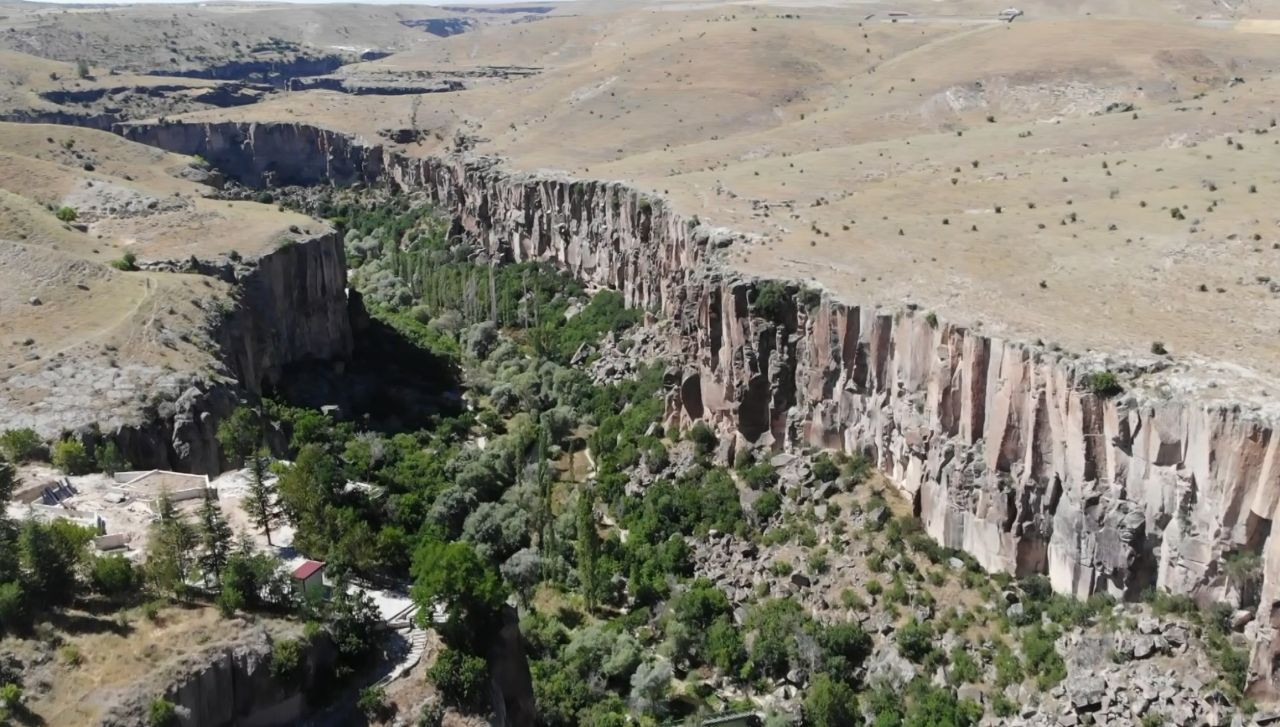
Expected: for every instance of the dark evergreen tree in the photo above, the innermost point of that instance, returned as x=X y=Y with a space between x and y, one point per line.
x=215 y=538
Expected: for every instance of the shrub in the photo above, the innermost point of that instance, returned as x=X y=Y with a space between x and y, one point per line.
x=10 y=696
x=1232 y=663
x=850 y=599
x=1043 y=660
x=70 y=456
x=20 y=445
x=373 y=703
x=70 y=655
x=14 y=614
x=1008 y=667
x=110 y=459
x=810 y=298
x=858 y=468
x=66 y=214
x=964 y=669
x=915 y=640
x=767 y=505
x=824 y=469
x=1164 y=603
x=82 y=68
x=770 y=299
x=112 y=575
x=286 y=659
x=162 y=713
x=829 y=703
x=704 y=440
x=759 y=476
x=127 y=262
x=1002 y=706
x=1103 y=383
x=461 y=678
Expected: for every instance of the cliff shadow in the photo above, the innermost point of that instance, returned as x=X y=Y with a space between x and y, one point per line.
x=390 y=384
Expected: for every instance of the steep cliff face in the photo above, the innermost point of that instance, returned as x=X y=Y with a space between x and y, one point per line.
x=1000 y=445
x=266 y=154
x=291 y=307
x=224 y=685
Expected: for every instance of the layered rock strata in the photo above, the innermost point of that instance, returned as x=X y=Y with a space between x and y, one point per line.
x=1000 y=444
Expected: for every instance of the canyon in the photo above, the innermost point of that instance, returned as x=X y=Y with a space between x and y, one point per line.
x=1000 y=444
x=964 y=323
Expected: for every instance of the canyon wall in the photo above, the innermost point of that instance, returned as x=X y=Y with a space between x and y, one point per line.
x=228 y=684
x=291 y=307
x=999 y=444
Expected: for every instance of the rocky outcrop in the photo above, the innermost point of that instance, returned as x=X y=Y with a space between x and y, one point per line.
x=101 y=121
x=272 y=70
x=291 y=307
x=374 y=86
x=1003 y=448
x=263 y=155
x=224 y=685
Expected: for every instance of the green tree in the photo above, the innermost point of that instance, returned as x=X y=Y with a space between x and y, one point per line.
x=588 y=547
x=830 y=703
x=110 y=459
x=306 y=491
x=845 y=647
x=170 y=549
x=353 y=621
x=112 y=575
x=771 y=299
x=15 y=612
x=463 y=679
x=8 y=533
x=724 y=647
x=373 y=703
x=69 y=455
x=915 y=640
x=241 y=433
x=253 y=580
x=259 y=502
x=704 y=440
x=50 y=555
x=453 y=576
x=215 y=538
x=20 y=445
x=929 y=706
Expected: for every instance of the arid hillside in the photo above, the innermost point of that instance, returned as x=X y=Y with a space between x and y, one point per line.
x=1092 y=177
x=100 y=321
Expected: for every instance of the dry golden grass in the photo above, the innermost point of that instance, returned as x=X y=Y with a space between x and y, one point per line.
x=114 y=658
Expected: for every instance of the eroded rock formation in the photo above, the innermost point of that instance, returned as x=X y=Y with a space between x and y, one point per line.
x=291 y=307
x=227 y=684
x=1004 y=450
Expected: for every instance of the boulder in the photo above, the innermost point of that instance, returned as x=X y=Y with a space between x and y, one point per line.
x=1086 y=692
